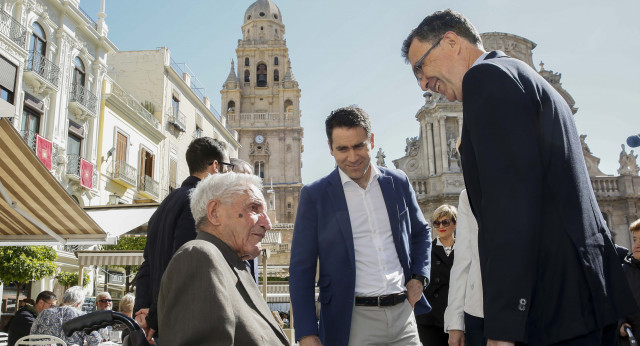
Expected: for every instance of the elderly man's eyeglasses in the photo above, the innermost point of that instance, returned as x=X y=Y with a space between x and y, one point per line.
x=444 y=223
x=51 y=305
x=105 y=300
x=228 y=166
x=417 y=67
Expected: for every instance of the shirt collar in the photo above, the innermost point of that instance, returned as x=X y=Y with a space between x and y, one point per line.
x=375 y=172
x=480 y=58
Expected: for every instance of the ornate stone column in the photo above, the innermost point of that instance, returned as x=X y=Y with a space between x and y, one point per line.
x=430 y=149
x=443 y=142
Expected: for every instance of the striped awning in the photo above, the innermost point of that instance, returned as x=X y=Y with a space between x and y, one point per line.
x=34 y=207
x=110 y=258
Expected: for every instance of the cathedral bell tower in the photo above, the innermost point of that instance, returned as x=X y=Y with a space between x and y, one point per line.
x=262 y=103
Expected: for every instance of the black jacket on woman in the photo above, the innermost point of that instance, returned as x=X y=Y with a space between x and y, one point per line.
x=631 y=268
x=437 y=292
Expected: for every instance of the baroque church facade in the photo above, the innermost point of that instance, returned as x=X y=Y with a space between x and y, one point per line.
x=433 y=165
x=262 y=103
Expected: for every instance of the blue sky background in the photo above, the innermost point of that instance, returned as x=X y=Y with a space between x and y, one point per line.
x=348 y=52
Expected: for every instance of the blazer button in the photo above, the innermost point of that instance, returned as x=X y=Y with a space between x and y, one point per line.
x=435 y=295
x=438 y=262
x=437 y=280
x=523 y=304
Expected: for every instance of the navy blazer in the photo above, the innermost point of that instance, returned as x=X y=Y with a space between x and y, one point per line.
x=323 y=232
x=549 y=268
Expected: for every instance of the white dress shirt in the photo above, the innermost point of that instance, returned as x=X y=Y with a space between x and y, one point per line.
x=465 y=281
x=378 y=269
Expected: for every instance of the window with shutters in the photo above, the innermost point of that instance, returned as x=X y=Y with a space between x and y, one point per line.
x=7 y=80
x=121 y=147
x=259 y=168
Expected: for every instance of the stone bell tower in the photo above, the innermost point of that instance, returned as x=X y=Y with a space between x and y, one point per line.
x=262 y=103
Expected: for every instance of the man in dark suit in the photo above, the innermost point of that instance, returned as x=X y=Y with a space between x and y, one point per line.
x=550 y=272
x=365 y=227
x=172 y=225
x=207 y=295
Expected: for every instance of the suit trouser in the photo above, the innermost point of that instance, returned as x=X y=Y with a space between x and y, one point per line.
x=385 y=325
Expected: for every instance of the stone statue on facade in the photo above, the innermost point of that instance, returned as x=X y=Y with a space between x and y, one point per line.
x=633 y=163
x=624 y=162
x=380 y=156
x=585 y=147
x=412 y=146
x=452 y=148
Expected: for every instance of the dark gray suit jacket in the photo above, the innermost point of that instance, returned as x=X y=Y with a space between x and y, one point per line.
x=208 y=297
x=550 y=271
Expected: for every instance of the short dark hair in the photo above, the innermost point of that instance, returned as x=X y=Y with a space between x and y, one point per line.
x=347 y=117
x=45 y=296
x=202 y=151
x=437 y=24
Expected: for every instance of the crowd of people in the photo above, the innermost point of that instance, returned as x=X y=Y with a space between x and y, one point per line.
x=524 y=259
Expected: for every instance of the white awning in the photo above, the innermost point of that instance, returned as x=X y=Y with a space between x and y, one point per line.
x=110 y=258
x=117 y=220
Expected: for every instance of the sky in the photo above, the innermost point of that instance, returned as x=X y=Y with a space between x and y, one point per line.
x=348 y=52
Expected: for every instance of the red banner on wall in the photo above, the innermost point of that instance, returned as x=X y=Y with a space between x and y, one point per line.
x=86 y=174
x=44 y=150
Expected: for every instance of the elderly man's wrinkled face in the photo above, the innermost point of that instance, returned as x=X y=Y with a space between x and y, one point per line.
x=104 y=302
x=244 y=223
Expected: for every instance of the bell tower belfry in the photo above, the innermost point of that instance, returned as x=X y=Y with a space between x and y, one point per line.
x=262 y=103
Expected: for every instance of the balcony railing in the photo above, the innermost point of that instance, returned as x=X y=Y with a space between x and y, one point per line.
x=178 y=119
x=135 y=105
x=149 y=185
x=84 y=97
x=12 y=29
x=30 y=138
x=88 y=19
x=124 y=172
x=605 y=186
x=39 y=64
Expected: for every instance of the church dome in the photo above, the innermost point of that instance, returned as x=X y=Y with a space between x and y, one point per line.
x=263 y=9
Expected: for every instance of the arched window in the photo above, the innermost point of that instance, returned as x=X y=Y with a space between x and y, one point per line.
x=275 y=61
x=246 y=61
x=288 y=106
x=261 y=71
x=37 y=48
x=78 y=72
x=231 y=107
x=247 y=76
x=276 y=76
x=38 y=40
x=259 y=169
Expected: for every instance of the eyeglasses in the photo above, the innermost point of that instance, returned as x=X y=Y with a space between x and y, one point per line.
x=444 y=223
x=417 y=68
x=51 y=305
x=228 y=166
x=105 y=300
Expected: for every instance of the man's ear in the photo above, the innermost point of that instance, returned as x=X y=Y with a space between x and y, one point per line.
x=372 y=141
x=330 y=147
x=213 y=207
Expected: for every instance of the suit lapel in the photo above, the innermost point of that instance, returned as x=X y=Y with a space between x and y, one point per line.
x=390 y=200
x=339 y=204
x=244 y=277
x=256 y=297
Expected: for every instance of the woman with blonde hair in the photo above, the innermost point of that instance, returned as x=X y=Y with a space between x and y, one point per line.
x=431 y=325
x=126 y=304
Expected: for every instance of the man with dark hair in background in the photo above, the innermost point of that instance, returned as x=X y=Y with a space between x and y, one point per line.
x=550 y=272
x=172 y=225
x=24 y=317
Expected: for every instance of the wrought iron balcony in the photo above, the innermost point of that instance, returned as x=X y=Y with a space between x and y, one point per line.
x=135 y=105
x=83 y=100
x=43 y=67
x=124 y=173
x=12 y=29
x=30 y=138
x=73 y=165
x=149 y=186
x=178 y=119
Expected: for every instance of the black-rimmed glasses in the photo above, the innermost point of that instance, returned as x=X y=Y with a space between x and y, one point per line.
x=417 y=67
x=229 y=166
x=105 y=300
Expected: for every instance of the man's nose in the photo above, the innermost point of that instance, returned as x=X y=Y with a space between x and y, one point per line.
x=264 y=221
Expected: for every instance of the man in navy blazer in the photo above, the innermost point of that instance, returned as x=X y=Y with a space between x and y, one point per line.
x=550 y=273
x=364 y=226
